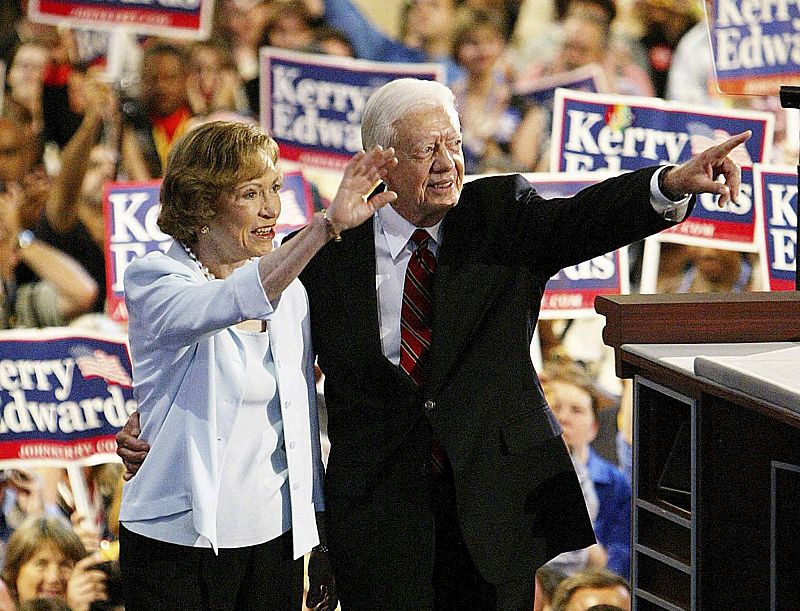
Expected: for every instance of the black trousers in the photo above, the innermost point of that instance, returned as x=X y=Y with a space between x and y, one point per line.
x=160 y=575
x=457 y=584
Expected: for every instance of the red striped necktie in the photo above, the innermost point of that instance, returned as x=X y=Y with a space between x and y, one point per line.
x=415 y=325
x=415 y=315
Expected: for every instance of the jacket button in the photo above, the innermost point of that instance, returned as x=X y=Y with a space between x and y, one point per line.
x=430 y=405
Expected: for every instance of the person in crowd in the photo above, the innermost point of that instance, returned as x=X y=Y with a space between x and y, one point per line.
x=239 y=28
x=45 y=558
x=64 y=289
x=21 y=497
x=663 y=22
x=587 y=40
x=214 y=84
x=709 y=270
x=571 y=395
x=330 y=41
x=161 y=114
x=585 y=590
x=25 y=78
x=223 y=372
x=73 y=218
x=490 y=115
x=291 y=26
x=19 y=164
x=448 y=482
x=428 y=31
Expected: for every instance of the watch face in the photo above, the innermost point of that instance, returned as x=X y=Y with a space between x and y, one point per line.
x=25 y=237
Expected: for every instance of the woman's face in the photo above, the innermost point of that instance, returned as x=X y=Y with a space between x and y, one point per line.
x=480 y=50
x=45 y=574
x=26 y=72
x=244 y=225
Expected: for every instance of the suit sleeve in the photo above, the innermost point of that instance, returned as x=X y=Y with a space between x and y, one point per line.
x=555 y=233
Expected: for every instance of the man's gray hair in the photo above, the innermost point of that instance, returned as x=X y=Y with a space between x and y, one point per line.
x=394 y=100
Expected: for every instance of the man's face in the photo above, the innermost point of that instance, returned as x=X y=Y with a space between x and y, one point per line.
x=573 y=407
x=164 y=84
x=430 y=170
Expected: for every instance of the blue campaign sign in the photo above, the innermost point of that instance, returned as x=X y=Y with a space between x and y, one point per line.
x=598 y=131
x=571 y=292
x=131 y=213
x=776 y=198
x=312 y=104
x=755 y=45
x=64 y=394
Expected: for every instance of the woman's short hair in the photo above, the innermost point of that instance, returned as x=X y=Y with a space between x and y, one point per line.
x=206 y=163
x=28 y=539
x=396 y=99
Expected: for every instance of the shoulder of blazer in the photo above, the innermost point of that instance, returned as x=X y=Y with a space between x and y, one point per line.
x=486 y=198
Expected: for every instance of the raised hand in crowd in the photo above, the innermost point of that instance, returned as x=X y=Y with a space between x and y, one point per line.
x=86 y=584
x=27 y=485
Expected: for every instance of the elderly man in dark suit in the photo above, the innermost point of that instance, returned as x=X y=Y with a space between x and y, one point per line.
x=448 y=482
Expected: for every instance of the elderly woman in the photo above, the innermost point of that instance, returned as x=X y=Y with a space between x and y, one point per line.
x=223 y=509
x=46 y=559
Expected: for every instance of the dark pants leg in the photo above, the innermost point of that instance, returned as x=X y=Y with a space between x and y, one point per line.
x=457 y=582
x=160 y=575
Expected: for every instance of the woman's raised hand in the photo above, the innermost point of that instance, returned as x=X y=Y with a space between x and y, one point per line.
x=352 y=205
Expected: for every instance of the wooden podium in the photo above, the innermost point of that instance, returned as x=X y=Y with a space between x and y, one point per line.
x=716 y=507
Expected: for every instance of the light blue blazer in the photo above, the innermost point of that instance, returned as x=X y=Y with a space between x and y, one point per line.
x=189 y=380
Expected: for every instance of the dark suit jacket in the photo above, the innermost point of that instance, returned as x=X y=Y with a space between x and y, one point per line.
x=519 y=501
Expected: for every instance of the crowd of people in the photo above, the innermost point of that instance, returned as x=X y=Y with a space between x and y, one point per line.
x=69 y=125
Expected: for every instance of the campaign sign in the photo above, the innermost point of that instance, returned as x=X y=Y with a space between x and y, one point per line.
x=571 y=292
x=312 y=104
x=169 y=18
x=594 y=131
x=755 y=45
x=776 y=197
x=64 y=394
x=131 y=213
x=297 y=204
x=541 y=91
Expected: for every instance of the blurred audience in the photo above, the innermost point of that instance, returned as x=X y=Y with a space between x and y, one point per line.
x=426 y=33
x=213 y=82
x=64 y=289
x=707 y=270
x=159 y=115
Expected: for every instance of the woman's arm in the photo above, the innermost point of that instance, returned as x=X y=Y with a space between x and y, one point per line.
x=349 y=208
x=62 y=204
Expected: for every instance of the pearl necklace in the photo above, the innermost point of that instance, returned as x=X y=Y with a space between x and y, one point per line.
x=206 y=272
